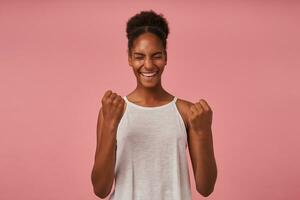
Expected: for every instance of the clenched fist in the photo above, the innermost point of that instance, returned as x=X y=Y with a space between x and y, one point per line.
x=200 y=116
x=112 y=107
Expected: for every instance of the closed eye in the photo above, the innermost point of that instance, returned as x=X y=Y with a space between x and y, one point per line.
x=138 y=58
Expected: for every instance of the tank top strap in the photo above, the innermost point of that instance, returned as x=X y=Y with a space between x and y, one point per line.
x=174 y=99
x=173 y=102
x=125 y=98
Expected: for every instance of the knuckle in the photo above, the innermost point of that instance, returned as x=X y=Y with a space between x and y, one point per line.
x=109 y=100
x=107 y=93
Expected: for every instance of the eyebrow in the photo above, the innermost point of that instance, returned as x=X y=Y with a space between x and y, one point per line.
x=136 y=53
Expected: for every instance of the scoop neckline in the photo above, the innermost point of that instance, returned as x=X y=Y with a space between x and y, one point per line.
x=148 y=107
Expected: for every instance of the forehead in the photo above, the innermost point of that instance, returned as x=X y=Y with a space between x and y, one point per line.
x=147 y=42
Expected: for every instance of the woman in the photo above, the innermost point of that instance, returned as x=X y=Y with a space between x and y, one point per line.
x=142 y=137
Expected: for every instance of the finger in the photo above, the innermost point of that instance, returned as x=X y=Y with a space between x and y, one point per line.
x=121 y=103
x=193 y=109
x=117 y=99
x=204 y=105
x=107 y=94
x=113 y=96
x=199 y=107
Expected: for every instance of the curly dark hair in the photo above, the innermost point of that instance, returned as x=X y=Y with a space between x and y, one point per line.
x=147 y=21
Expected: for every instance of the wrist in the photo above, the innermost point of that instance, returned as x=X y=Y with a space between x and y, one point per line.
x=111 y=126
x=109 y=131
x=202 y=134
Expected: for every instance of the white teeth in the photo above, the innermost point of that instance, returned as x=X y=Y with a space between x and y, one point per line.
x=149 y=74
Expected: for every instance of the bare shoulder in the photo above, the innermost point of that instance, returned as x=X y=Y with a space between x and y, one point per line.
x=183 y=108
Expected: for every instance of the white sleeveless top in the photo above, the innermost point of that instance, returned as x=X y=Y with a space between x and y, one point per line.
x=151 y=162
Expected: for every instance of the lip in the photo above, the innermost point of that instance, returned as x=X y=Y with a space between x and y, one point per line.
x=148 y=77
x=150 y=72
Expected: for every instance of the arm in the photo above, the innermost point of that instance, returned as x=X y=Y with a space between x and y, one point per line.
x=200 y=140
x=203 y=161
x=103 y=170
x=109 y=117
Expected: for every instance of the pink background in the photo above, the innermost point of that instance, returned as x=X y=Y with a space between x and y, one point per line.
x=57 y=58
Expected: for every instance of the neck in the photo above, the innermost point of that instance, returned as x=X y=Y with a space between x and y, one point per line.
x=152 y=94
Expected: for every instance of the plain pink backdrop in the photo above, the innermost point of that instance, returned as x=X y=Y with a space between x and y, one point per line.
x=57 y=58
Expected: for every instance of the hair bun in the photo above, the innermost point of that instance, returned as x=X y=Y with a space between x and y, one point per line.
x=147 y=18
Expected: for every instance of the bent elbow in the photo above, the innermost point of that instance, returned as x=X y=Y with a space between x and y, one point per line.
x=100 y=194
x=205 y=193
x=99 y=189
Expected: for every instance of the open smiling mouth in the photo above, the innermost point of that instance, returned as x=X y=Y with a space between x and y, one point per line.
x=149 y=75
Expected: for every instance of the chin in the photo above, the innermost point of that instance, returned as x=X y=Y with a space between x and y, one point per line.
x=148 y=84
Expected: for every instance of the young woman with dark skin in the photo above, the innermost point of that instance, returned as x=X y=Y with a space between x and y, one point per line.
x=148 y=55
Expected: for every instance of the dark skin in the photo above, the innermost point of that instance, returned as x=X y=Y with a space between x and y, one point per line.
x=149 y=55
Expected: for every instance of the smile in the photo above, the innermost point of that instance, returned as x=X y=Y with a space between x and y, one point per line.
x=149 y=74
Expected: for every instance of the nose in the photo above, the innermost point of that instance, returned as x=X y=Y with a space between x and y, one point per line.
x=148 y=64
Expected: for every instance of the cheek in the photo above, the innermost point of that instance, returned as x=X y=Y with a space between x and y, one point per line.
x=159 y=63
x=137 y=63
